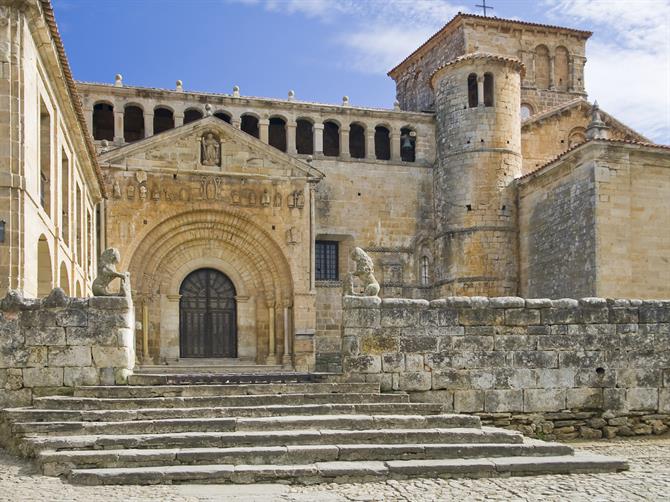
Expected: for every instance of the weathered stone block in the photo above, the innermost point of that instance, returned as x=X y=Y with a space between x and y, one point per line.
x=447 y=316
x=544 y=400
x=16 y=398
x=479 y=359
x=654 y=312
x=581 y=359
x=498 y=401
x=45 y=336
x=350 y=346
x=472 y=342
x=414 y=362
x=556 y=378
x=615 y=400
x=72 y=317
x=379 y=343
x=125 y=337
x=361 y=318
x=11 y=379
x=419 y=343
x=515 y=378
x=439 y=360
x=515 y=342
x=522 y=317
x=595 y=377
x=110 y=357
x=74 y=376
x=363 y=364
x=538 y=303
x=507 y=302
x=444 y=397
x=481 y=317
x=399 y=317
x=451 y=379
x=584 y=399
x=37 y=356
x=468 y=401
x=43 y=377
x=640 y=398
x=82 y=335
x=664 y=400
x=639 y=377
x=76 y=355
x=414 y=381
x=38 y=318
x=393 y=363
x=535 y=359
x=567 y=315
x=111 y=302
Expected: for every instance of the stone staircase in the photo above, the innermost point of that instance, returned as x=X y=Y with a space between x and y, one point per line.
x=216 y=428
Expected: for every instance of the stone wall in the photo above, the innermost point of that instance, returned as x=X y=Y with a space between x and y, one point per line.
x=554 y=368
x=51 y=345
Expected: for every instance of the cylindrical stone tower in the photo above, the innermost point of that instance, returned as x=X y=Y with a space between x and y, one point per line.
x=477 y=100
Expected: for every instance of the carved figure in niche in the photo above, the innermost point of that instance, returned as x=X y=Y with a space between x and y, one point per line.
x=210 y=150
x=107 y=273
x=292 y=236
x=141 y=176
x=265 y=198
x=236 y=197
x=131 y=192
x=183 y=194
x=218 y=182
x=291 y=200
x=251 y=197
x=143 y=192
x=116 y=190
x=300 y=199
x=156 y=194
x=277 y=199
x=364 y=273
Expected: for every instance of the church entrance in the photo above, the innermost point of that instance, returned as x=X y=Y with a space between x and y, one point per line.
x=207 y=315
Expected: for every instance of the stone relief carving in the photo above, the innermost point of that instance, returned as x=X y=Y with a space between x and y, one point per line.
x=116 y=190
x=107 y=273
x=143 y=192
x=141 y=176
x=364 y=273
x=265 y=198
x=130 y=192
x=296 y=199
x=278 y=199
x=235 y=197
x=211 y=150
x=292 y=236
x=156 y=194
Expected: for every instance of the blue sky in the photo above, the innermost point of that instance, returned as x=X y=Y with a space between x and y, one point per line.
x=325 y=49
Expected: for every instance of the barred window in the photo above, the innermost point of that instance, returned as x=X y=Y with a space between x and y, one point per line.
x=326 y=261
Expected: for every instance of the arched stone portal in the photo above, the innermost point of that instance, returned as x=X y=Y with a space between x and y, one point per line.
x=207 y=315
x=231 y=243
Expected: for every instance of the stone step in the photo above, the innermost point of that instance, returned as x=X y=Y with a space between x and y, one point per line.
x=127 y=391
x=339 y=471
x=50 y=415
x=57 y=463
x=91 y=403
x=31 y=445
x=215 y=375
x=348 y=422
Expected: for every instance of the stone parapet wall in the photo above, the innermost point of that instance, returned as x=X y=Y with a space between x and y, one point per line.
x=591 y=367
x=51 y=345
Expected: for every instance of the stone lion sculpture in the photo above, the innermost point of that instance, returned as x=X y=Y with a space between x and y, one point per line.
x=107 y=273
x=364 y=273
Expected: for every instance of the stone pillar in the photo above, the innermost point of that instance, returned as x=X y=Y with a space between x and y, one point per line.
x=552 y=75
x=290 y=138
x=236 y=122
x=480 y=90
x=370 y=143
x=88 y=113
x=178 y=119
x=286 y=358
x=318 y=140
x=571 y=73
x=394 y=139
x=344 y=142
x=264 y=130
x=148 y=124
x=272 y=342
x=118 y=126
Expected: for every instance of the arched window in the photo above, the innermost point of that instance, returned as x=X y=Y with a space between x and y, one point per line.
x=488 y=89
x=331 y=139
x=576 y=136
x=250 y=125
x=103 y=121
x=163 y=120
x=64 y=281
x=382 y=143
x=357 y=141
x=277 y=133
x=425 y=271
x=191 y=115
x=526 y=111
x=473 y=95
x=225 y=116
x=304 y=137
x=561 y=70
x=407 y=145
x=133 y=123
x=45 y=158
x=65 y=197
x=542 y=67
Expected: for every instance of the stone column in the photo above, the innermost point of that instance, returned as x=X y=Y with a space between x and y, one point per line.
x=178 y=119
x=264 y=130
x=344 y=142
x=118 y=126
x=370 y=143
x=272 y=342
x=480 y=90
x=571 y=73
x=148 y=124
x=290 y=138
x=552 y=75
x=236 y=122
x=394 y=139
x=318 y=140
x=286 y=358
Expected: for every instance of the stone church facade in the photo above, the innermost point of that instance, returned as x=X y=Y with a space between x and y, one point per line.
x=492 y=175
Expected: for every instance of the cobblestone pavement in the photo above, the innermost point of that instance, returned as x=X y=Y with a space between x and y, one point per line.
x=648 y=479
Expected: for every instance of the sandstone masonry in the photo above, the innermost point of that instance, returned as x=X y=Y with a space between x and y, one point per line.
x=554 y=368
